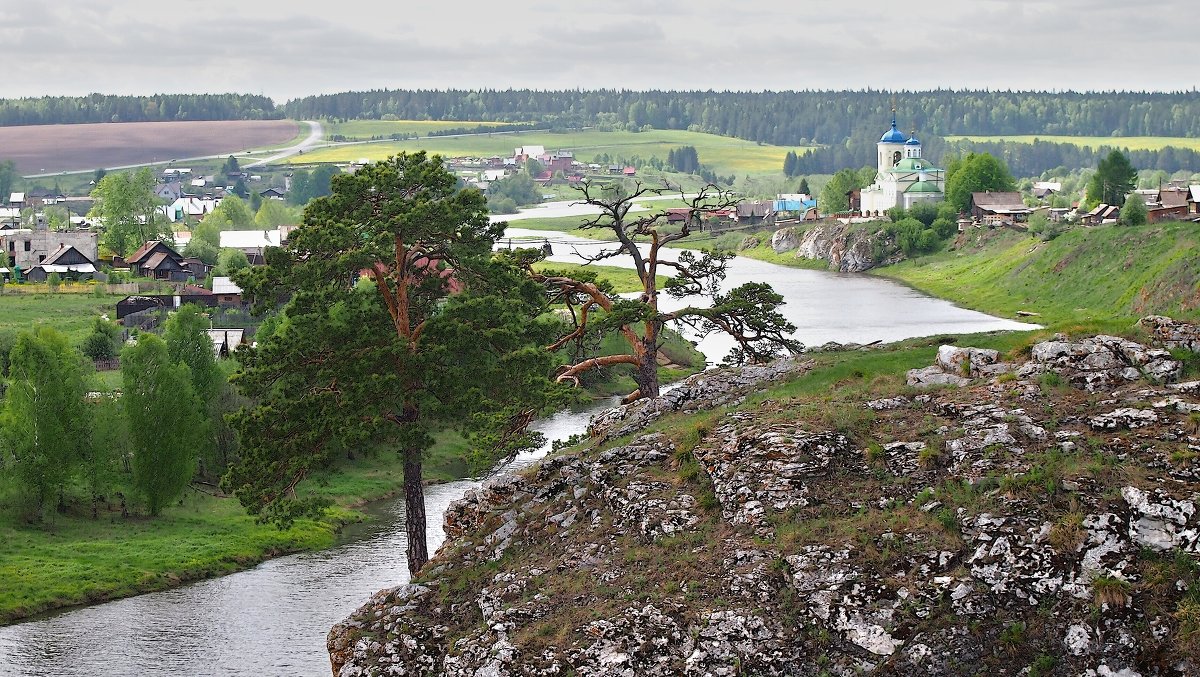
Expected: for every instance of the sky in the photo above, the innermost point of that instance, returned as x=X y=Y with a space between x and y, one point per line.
x=296 y=48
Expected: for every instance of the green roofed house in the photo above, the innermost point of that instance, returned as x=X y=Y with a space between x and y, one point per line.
x=903 y=178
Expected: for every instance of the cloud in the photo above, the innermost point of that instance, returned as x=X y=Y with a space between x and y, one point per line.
x=300 y=47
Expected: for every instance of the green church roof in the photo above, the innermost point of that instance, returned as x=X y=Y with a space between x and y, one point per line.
x=923 y=187
x=914 y=164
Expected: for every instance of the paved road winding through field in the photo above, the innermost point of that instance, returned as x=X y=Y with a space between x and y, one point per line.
x=315 y=134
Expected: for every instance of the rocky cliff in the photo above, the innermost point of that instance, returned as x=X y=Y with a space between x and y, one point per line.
x=1033 y=515
x=847 y=248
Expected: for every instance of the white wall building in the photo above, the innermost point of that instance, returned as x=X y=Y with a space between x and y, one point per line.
x=903 y=178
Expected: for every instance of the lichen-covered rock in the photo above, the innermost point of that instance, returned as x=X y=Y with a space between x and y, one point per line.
x=992 y=528
x=711 y=388
x=1172 y=334
x=847 y=250
x=1102 y=362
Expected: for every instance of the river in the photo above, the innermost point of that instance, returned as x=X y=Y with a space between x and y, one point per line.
x=272 y=619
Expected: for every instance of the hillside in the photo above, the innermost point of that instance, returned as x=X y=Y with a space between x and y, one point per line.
x=1108 y=273
x=836 y=521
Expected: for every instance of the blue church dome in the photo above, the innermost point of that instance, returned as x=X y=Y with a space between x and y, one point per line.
x=893 y=135
x=913 y=141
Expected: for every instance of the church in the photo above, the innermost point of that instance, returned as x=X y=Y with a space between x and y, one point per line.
x=904 y=177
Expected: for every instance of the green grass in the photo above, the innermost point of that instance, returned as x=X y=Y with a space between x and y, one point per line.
x=71 y=559
x=366 y=129
x=623 y=280
x=1130 y=142
x=1107 y=276
x=724 y=154
x=75 y=561
x=71 y=314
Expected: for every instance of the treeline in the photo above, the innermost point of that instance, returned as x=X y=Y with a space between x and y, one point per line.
x=1023 y=159
x=56 y=110
x=785 y=118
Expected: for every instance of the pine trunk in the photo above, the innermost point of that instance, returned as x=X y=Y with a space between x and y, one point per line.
x=414 y=509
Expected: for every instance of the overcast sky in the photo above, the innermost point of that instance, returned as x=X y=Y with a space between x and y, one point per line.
x=300 y=47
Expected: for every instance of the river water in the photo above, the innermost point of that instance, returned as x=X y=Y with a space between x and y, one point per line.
x=272 y=619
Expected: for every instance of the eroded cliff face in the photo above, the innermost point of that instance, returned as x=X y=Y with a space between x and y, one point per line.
x=846 y=249
x=1034 y=517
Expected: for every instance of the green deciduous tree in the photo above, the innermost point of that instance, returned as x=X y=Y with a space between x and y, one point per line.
x=1114 y=179
x=833 y=196
x=386 y=361
x=187 y=341
x=230 y=261
x=104 y=341
x=232 y=211
x=45 y=419
x=976 y=173
x=275 y=213
x=127 y=207
x=166 y=428
x=201 y=249
x=8 y=178
x=1134 y=212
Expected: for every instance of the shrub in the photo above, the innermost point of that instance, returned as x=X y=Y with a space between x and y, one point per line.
x=1110 y=591
x=53 y=281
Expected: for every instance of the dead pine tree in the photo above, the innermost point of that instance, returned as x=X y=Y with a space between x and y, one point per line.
x=748 y=313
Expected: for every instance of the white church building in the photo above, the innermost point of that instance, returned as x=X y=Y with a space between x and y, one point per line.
x=904 y=177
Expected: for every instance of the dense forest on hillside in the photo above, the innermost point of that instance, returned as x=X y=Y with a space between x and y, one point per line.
x=54 y=110
x=787 y=118
x=1023 y=159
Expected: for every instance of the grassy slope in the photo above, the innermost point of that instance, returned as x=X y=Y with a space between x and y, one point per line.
x=1130 y=142
x=1108 y=275
x=723 y=154
x=71 y=314
x=365 y=129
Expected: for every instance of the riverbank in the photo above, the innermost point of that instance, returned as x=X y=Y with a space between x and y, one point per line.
x=71 y=559
x=1103 y=278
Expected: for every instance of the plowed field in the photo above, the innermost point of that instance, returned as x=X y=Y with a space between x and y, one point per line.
x=42 y=149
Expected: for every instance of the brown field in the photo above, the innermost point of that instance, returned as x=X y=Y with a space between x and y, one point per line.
x=42 y=149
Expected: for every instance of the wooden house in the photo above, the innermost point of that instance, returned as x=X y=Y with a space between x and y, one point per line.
x=67 y=261
x=157 y=260
x=999 y=208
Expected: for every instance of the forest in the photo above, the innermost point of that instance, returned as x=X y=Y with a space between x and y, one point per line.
x=57 y=110
x=1023 y=159
x=786 y=118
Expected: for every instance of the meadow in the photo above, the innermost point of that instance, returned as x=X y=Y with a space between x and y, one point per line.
x=367 y=129
x=1128 y=142
x=725 y=155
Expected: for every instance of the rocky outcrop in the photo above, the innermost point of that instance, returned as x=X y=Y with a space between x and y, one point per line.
x=1172 y=335
x=1094 y=363
x=1007 y=526
x=712 y=388
x=849 y=249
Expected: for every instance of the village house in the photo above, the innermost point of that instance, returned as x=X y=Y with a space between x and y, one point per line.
x=67 y=261
x=253 y=243
x=1167 y=204
x=1103 y=213
x=272 y=193
x=155 y=259
x=28 y=247
x=169 y=191
x=995 y=209
x=226 y=341
x=227 y=293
